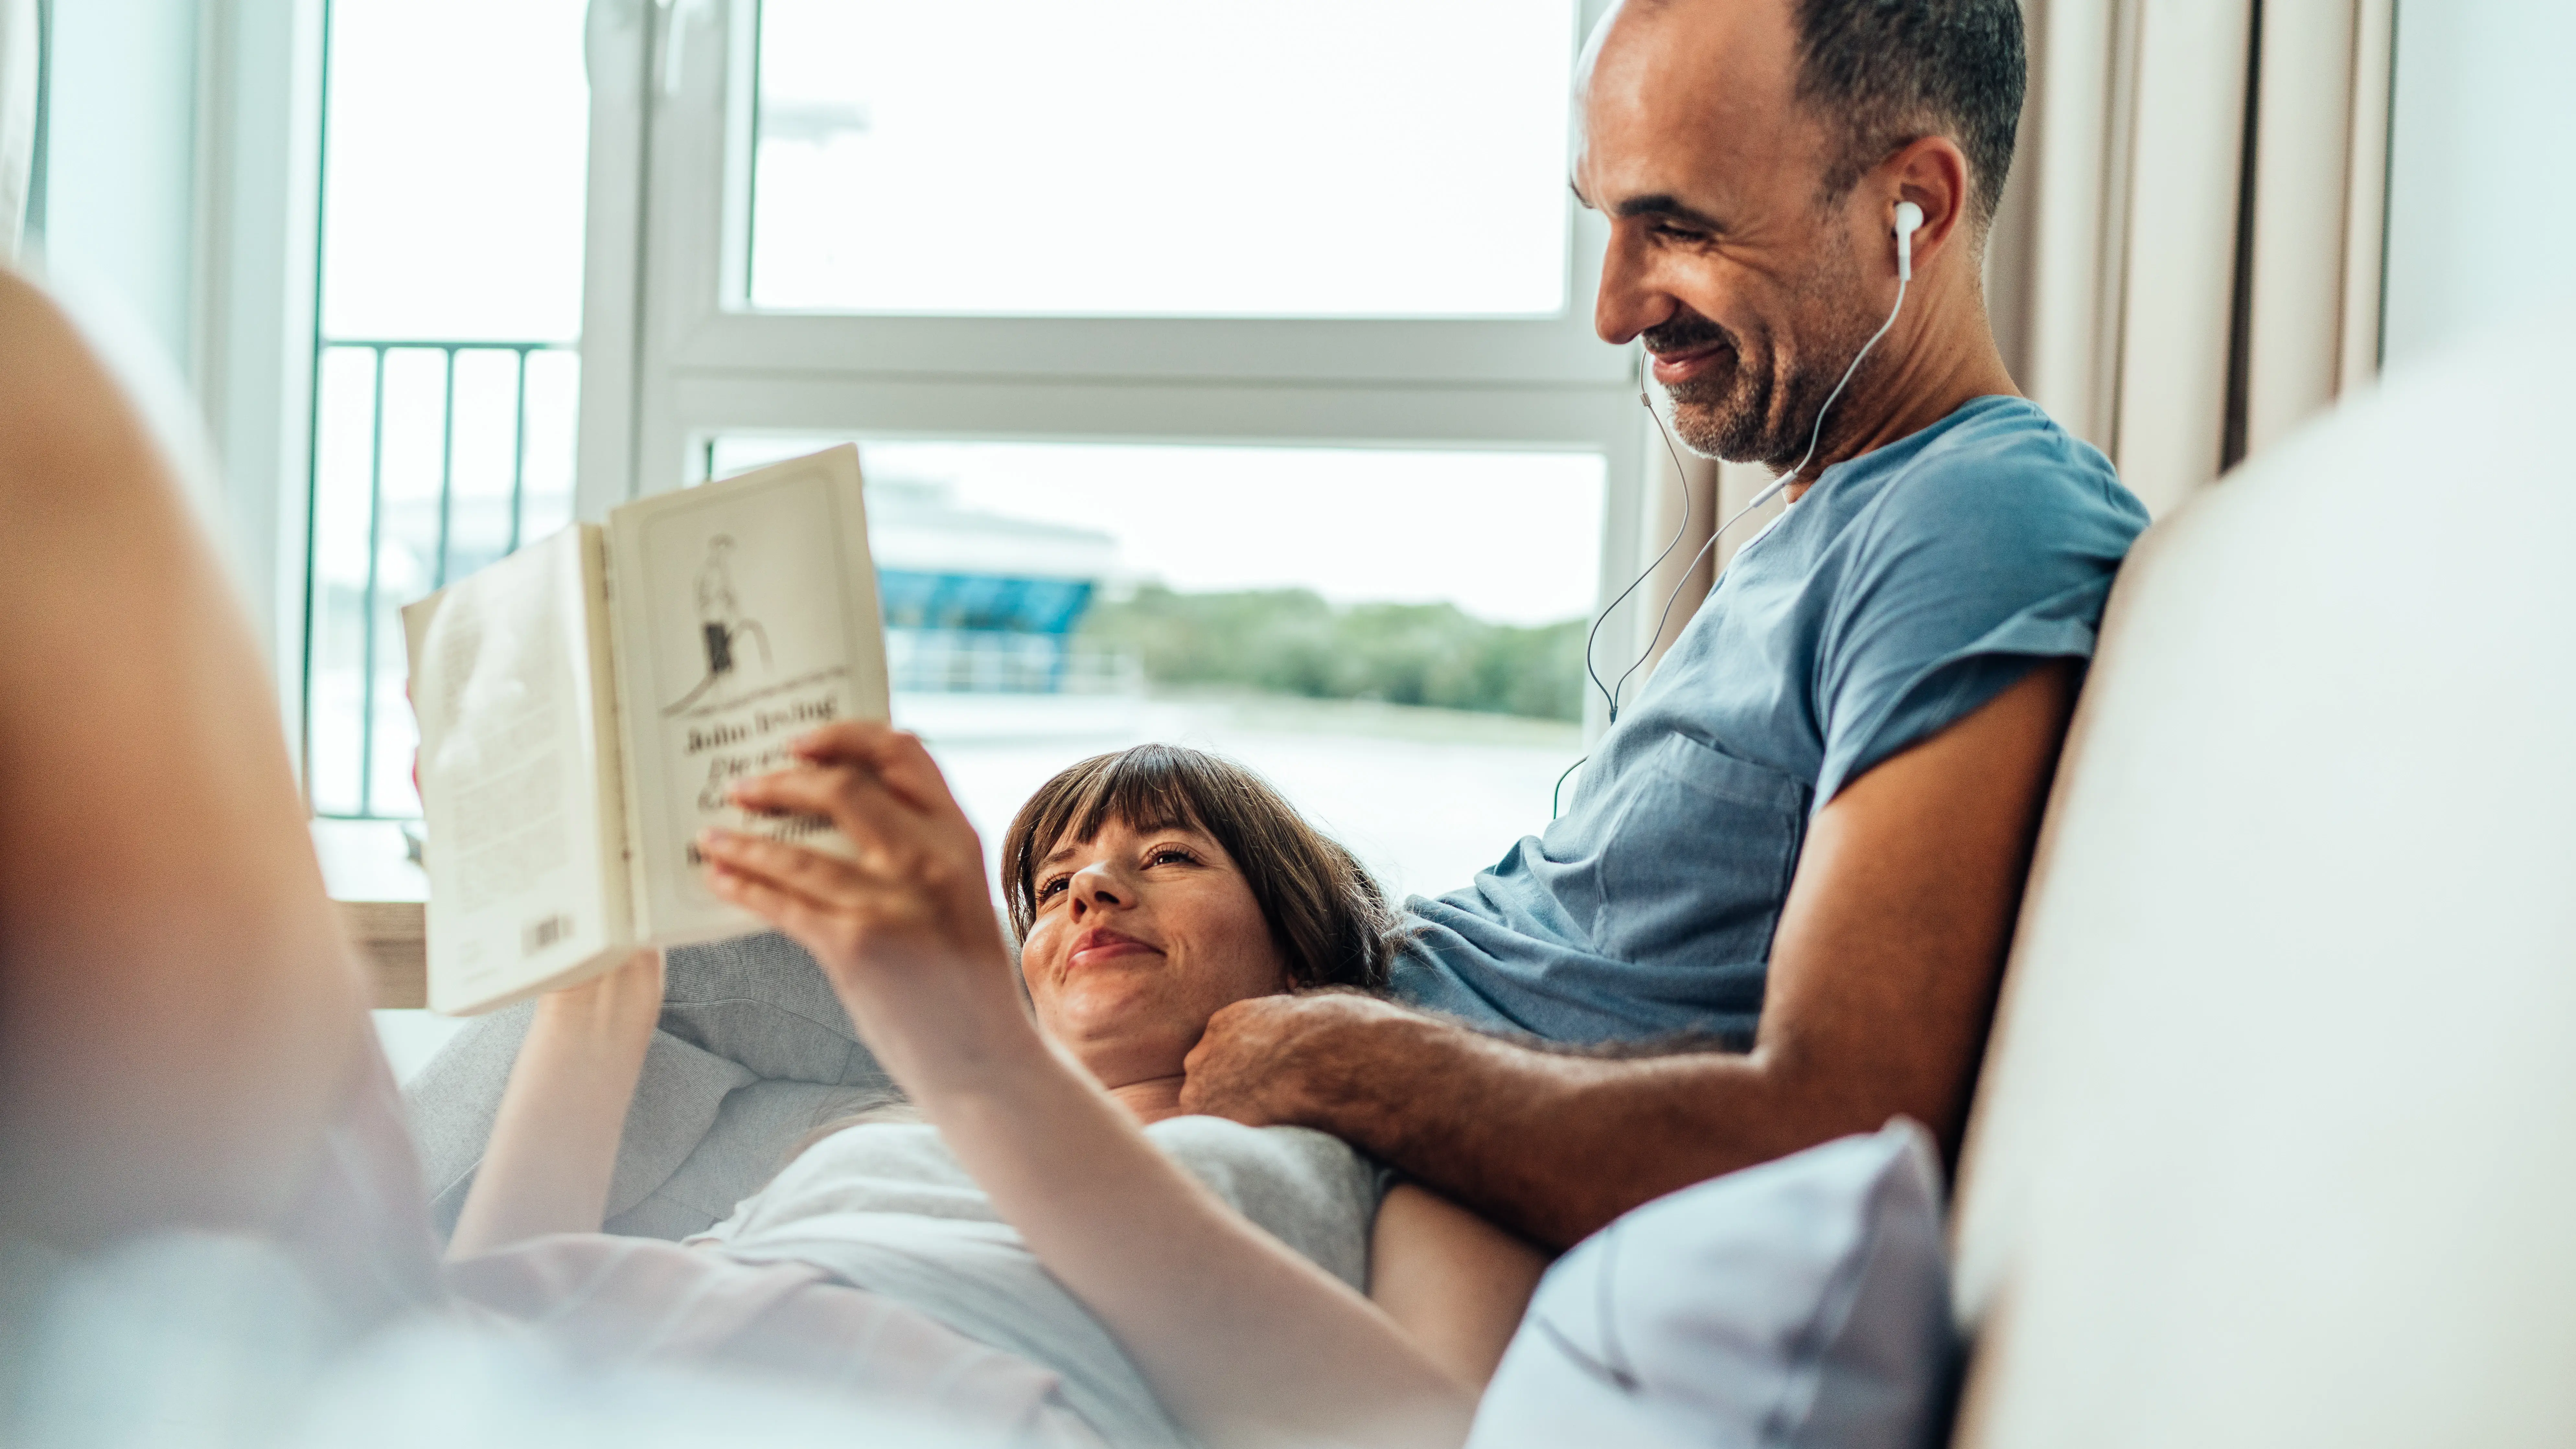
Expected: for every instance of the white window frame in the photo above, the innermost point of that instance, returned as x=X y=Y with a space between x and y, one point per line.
x=253 y=291
x=672 y=355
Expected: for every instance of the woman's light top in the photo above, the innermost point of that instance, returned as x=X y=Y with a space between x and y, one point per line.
x=888 y=1208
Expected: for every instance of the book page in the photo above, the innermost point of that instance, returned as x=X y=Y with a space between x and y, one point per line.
x=745 y=614
x=527 y=883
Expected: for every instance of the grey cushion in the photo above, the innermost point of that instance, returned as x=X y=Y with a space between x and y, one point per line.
x=753 y=1052
x=761 y=1001
x=1803 y=1302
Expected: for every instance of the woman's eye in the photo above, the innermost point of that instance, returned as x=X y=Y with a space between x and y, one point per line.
x=1170 y=853
x=1049 y=889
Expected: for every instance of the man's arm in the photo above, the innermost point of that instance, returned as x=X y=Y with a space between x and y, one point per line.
x=1883 y=976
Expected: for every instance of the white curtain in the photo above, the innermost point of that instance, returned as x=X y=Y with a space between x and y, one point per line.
x=2187 y=264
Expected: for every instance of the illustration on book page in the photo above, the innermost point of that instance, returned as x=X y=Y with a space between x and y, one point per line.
x=749 y=628
x=721 y=624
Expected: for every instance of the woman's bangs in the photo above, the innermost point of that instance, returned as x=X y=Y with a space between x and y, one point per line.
x=1148 y=789
x=1326 y=913
x=1151 y=787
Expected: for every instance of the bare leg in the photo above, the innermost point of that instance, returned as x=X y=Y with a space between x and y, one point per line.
x=181 y=1026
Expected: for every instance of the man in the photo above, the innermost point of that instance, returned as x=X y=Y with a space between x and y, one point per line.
x=1808 y=835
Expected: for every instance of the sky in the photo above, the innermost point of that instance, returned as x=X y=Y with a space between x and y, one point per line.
x=1164 y=157
x=1103 y=165
x=456 y=158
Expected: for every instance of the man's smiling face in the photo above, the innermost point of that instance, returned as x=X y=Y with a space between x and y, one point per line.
x=1746 y=286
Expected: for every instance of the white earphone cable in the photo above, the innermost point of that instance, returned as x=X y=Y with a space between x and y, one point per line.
x=1610 y=692
x=1592 y=638
x=1766 y=495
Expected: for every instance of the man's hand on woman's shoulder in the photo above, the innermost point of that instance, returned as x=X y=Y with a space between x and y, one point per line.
x=1302 y=1060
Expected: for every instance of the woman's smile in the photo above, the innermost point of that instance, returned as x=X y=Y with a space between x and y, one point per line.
x=1101 y=944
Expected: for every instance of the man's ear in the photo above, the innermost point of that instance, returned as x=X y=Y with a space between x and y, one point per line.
x=1933 y=174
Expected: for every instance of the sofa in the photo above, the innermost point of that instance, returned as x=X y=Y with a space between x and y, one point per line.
x=2275 y=1140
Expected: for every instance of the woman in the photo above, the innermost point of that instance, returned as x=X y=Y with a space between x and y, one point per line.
x=1226 y=1264
x=183 y=1046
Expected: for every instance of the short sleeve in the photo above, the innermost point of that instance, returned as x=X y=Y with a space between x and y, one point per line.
x=1310 y=1190
x=1995 y=551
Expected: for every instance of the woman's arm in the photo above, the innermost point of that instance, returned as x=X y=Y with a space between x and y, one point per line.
x=554 y=1145
x=1245 y=1342
x=1457 y=1283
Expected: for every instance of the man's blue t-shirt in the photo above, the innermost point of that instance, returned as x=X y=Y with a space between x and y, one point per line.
x=1907 y=587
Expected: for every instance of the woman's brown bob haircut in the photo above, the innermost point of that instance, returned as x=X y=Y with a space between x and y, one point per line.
x=1329 y=919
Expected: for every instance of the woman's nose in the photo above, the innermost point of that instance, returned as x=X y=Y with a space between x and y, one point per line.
x=1093 y=890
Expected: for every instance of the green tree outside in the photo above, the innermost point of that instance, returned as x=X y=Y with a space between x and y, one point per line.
x=1290 y=641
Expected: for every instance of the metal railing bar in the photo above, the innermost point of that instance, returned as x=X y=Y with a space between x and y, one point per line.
x=519 y=458
x=751 y=178
x=367 y=610
x=457 y=343
x=446 y=477
x=371 y=601
x=313 y=416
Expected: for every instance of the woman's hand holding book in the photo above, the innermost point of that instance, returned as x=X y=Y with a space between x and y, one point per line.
x=903 y=925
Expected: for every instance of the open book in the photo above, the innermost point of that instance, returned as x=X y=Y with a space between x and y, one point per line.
x=585 y=702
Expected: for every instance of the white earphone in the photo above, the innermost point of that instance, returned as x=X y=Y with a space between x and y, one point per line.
x=1909 y=220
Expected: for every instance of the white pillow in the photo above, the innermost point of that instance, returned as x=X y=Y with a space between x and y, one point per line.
x=1802 y=1302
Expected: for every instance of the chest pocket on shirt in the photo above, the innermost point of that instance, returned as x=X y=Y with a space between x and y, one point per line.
x=1696 y=866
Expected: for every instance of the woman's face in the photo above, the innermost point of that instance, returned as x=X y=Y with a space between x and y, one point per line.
x=1140 y=937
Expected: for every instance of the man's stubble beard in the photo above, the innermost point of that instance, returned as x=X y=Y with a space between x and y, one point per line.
x=1766 y=412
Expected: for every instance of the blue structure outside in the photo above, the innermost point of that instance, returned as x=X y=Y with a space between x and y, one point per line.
x=955 y=620
x=917 y=600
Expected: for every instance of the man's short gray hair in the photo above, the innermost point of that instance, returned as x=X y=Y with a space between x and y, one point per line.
x=1884 y=73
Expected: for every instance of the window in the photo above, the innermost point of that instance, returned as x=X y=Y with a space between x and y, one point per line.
x=1224 y=373
x=1372 y=628
x=2476 y=84
x=1157 y=322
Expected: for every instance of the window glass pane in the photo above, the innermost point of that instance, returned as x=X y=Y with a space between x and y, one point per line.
x=1327 y=158
x=343 y=398
x=1393 y=637
x=451 y=288
x=455 y=166
x=2478 y=81
x=432 y=462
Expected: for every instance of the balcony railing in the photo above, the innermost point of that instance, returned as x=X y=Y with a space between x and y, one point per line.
x=995 y=661
x=430 y=459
